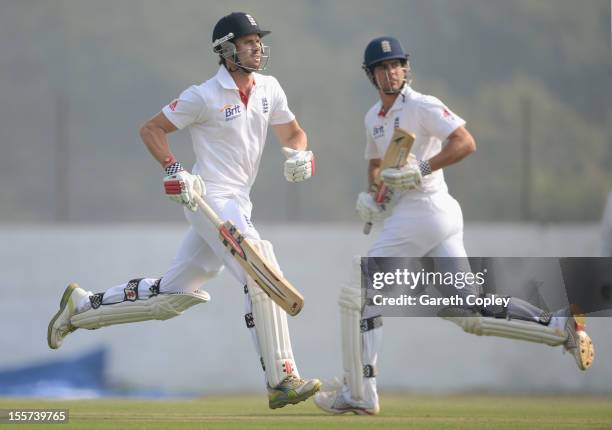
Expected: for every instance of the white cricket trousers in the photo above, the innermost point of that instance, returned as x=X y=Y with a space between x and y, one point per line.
x=428 y=225
x=201 y=256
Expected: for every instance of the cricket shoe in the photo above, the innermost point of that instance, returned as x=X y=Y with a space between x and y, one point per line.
x=578 y=342
x=291 y=391
x=335 y=403
x=59 y=326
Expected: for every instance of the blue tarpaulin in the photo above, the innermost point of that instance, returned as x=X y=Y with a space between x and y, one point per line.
x=80 y=377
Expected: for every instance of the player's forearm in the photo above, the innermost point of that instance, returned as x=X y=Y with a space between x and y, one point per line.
x=297 y=140
x=156 y=142
x=372 y=175
x=460 y=144
x=373 y=172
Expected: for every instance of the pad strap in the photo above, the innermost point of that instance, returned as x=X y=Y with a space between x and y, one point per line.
x=368 y=324
x=545 y=318
x=370 y=371
x=96 y=300
x=130 y=292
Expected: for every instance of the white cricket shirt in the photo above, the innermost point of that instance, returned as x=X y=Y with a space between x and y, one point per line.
x=228 y=137
x=425 y=116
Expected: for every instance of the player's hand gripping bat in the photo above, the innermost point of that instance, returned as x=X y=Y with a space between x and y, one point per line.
x=395 y=156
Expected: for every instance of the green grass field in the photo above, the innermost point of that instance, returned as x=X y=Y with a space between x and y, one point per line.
x=398 y=412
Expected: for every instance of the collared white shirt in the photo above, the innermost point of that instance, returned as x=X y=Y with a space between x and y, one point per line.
x=425 y=116
x=228 y=137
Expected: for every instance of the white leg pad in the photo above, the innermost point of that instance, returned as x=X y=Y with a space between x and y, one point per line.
x=350 y=317
x=511 y=329
x=159 y=307
x=271 y=326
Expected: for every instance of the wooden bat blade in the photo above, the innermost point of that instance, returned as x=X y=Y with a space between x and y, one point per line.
x=267 y=277
x=396 y=155
x=398 y=150
x=269 y=280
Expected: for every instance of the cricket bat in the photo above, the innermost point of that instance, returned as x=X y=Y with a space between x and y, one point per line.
x=396 y=156
x=267 y=277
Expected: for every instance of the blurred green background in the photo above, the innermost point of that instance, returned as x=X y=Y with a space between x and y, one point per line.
x=532 y=79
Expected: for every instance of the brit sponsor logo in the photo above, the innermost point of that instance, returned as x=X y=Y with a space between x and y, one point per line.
x=378 y=131
x=231 y=111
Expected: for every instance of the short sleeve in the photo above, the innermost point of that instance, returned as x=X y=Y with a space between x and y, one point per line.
x=371 y=150
x=280 y=114
x=187 y=109
x=437 y=119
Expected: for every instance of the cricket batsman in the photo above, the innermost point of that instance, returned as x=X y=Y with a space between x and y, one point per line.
x=421 y=219
x=228 y=118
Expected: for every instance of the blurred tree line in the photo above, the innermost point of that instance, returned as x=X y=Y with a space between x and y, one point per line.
x=78 y=78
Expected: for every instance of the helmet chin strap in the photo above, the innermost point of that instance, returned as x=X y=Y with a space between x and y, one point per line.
x=236 y=61
x=239 y=67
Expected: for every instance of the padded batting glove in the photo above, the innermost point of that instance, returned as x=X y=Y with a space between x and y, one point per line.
x=299 y=165
x=181 y=186
x=408 y=177
x=369 y=210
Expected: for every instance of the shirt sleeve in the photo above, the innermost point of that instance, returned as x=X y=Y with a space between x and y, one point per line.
x=281 y=114
x=371 y=150
x=187 y=109
x=437 y=119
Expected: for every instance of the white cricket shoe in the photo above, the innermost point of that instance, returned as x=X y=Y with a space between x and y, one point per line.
x=335 y=403
x=578 y=342
x=59 y=326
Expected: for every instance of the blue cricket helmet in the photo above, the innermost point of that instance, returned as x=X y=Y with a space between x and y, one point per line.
x=382 y=49
x=234 y=26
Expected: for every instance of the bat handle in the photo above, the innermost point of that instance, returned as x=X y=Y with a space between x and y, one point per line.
x=378 y=198
x=208 y=211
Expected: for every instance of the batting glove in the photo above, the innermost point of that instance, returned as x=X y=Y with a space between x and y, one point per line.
x=369 y=210
x=181 y=186
x=299 y=165
x=408 y=177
